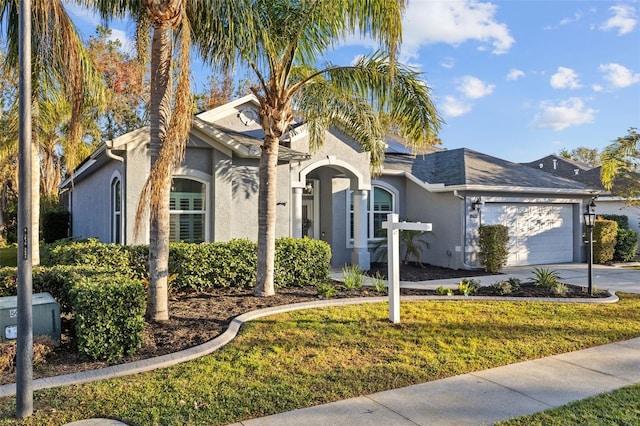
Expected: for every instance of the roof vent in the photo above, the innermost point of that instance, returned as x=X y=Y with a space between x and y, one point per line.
x=576 y=171
x=555 y=164
x=541 y=165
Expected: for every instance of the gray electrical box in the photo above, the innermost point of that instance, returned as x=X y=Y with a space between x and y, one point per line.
x=46 y=316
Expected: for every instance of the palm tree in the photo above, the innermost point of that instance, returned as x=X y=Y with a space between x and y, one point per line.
x=619 y=164
x=170 y=119
x=59 y=58
x=281 y=41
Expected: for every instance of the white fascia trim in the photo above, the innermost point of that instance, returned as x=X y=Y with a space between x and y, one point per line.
x=224 y=110
x=131 y=139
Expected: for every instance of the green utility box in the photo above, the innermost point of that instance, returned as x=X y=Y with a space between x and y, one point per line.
x=46 y=316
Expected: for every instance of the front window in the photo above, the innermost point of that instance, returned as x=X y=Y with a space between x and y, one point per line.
x=380 y=204
x=187 y=207
x=116 y=211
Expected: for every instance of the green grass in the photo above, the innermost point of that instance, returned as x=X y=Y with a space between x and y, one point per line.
x=8 y=256
x=310 y=357
x=620 y=407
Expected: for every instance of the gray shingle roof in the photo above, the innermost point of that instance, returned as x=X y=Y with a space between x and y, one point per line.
x=467 y=167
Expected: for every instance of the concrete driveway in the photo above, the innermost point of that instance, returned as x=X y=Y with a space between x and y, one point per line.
x=613 y=278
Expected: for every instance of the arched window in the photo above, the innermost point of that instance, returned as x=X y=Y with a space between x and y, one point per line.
x=187 y=209
x=381 y=202
x=116 y=211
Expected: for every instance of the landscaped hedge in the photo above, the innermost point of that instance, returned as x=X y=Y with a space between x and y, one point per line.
x=105 y=297
x=626 y=245
x=604 y=240
x=56 y=280
x=626 y=238
x=109 y=316
x=298 y=262
x=494 y=251
x=301 y=262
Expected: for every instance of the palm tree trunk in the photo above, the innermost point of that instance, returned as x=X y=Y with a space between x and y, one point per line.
x=160 y=113
x=267 y=220
x=35 y=186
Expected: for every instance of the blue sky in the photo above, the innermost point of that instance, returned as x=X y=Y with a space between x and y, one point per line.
x=518 y=80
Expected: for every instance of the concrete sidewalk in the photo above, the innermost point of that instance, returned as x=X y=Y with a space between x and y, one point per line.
x=483 y=397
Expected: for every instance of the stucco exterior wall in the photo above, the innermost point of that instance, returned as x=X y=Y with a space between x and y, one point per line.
x=91 y=203
x=137 y=159
x=445 y=212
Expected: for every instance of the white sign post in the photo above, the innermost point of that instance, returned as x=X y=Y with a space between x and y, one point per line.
x=393 y=228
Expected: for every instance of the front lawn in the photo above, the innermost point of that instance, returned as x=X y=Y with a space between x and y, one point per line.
x=9 y=256
x=620 y=407
x=310 y=357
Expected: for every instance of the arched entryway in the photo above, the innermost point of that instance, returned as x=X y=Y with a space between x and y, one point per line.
x=319 y=211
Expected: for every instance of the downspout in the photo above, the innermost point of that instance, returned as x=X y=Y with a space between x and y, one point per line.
x=464 y=227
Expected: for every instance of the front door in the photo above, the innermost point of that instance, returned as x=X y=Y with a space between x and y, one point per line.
x=310 y=213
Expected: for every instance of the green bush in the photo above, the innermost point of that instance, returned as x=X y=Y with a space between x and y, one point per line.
x=90 y=252
x=56 y=280
x=109 y=316
x=493 y=247
x=198 y=266
x=301 y=261
x=544 y=277
x=604 y=240
x=626 y=245
x=622 y=220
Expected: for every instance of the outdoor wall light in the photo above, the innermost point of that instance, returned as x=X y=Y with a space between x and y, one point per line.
x=477 y=204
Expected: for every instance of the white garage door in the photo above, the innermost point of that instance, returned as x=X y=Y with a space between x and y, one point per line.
x=538 y=233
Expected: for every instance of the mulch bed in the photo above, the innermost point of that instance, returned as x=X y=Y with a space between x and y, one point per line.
x=197 y=317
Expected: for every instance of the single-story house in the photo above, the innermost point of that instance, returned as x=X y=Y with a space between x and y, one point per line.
x=607 y=202
x=330 y=194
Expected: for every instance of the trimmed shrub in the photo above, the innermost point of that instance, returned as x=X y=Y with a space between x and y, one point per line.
x=198 y=266
x=626 y=245
x=109 y=317
x=604 y=240
x=493 y=247
x=301 y=261
x=622 y=220
x=56 y=280
x=90 y=252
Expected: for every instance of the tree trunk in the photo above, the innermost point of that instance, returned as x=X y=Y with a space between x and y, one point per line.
x=160 y=114
x=35 y=187
x=267 y=217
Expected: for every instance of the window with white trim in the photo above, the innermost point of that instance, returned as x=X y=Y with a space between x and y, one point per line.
x=381 y=202
x=187 y=210
x=116 y=211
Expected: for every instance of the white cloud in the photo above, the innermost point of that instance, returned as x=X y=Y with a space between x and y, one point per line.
x=515 y=74
x=565 y=78
x=597 y=88
x=453 y=107
x=619 y=76
x=624 y=19
x=447 y=63
x=575 y=18
x=453 y=22
x=571 y=112
x=474 y=88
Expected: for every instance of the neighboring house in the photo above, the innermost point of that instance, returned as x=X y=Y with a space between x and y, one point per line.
x=607 y=202
x=330 y=194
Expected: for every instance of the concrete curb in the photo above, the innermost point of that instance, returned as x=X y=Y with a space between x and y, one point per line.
x=232 y=330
